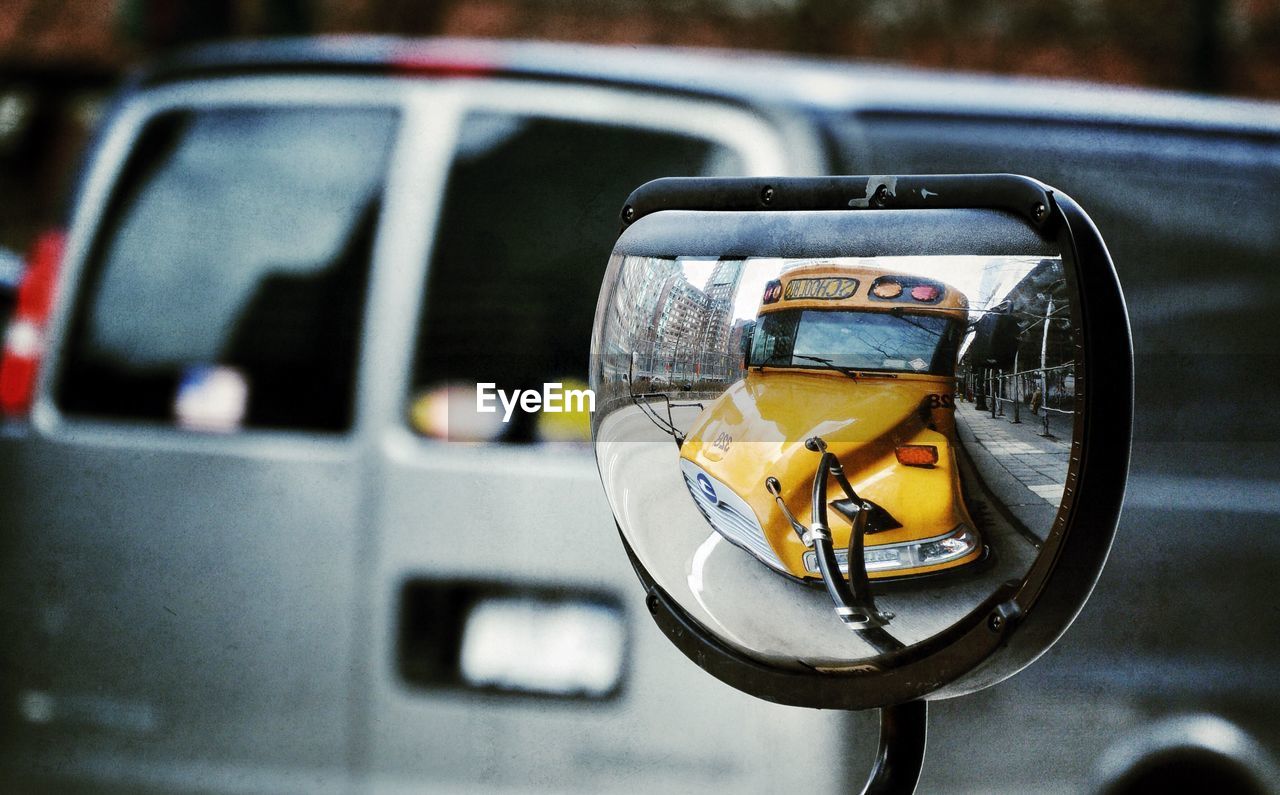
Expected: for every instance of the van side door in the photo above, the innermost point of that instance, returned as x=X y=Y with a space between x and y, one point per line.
x=494 y=537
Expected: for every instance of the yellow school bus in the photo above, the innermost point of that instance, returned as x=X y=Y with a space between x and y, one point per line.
x=865 y=359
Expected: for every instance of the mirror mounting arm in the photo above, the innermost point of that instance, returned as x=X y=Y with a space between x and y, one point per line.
x=772 y=486
x=854 y=603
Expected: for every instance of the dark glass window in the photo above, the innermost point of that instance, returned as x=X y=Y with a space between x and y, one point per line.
x=1190 y=219
x=227 y=285
x=856 y=340
x=529 y=218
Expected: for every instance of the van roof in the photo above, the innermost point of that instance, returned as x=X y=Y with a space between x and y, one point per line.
x=824 y=86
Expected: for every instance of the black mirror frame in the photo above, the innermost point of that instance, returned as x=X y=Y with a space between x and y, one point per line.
x=1004 y=634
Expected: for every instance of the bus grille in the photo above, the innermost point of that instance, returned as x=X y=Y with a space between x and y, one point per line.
x=730 y=516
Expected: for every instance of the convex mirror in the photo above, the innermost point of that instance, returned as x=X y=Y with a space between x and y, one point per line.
x=865 y=438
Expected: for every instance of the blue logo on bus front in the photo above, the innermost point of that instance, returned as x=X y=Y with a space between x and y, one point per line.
x=704 y=483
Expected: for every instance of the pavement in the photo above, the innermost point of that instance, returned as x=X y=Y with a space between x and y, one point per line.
x=1024 y=470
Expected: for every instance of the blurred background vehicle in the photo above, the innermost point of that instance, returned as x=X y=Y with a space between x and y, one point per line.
x=255 y=541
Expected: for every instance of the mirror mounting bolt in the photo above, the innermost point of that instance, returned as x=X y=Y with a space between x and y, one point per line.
x=1002 y=617
x=1039 y=211
x=881 y=197
x=628 y=214
x=766 y=195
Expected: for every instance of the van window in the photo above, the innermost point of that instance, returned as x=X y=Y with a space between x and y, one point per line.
x=529 y=218
x=226 y=286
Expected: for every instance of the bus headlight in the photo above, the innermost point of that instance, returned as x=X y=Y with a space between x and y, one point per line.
x=908 y=555
x=959 y=543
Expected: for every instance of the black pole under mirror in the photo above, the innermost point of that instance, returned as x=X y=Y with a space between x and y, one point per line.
x=805 y=401
x=900 y=754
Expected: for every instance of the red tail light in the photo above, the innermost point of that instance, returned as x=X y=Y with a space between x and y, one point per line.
x=443 y=61
x=917 y=455
x=24 y=342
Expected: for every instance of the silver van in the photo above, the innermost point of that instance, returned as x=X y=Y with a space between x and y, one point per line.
x=251 y=543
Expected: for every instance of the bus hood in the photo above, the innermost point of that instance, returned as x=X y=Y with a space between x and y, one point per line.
x=758 y=427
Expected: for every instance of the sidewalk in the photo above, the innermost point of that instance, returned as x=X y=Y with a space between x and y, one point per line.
x=1024 y=470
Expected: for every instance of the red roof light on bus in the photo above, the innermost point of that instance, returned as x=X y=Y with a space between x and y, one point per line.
x=924 y=292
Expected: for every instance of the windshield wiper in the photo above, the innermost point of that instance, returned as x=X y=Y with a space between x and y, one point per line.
x=827 y=363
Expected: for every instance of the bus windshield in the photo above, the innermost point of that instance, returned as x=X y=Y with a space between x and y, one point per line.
x=857 y=340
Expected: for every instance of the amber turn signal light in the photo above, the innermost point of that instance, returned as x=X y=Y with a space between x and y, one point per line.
x=917 y=455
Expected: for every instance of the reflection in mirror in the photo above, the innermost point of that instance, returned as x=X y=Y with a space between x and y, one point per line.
x=762 y=423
